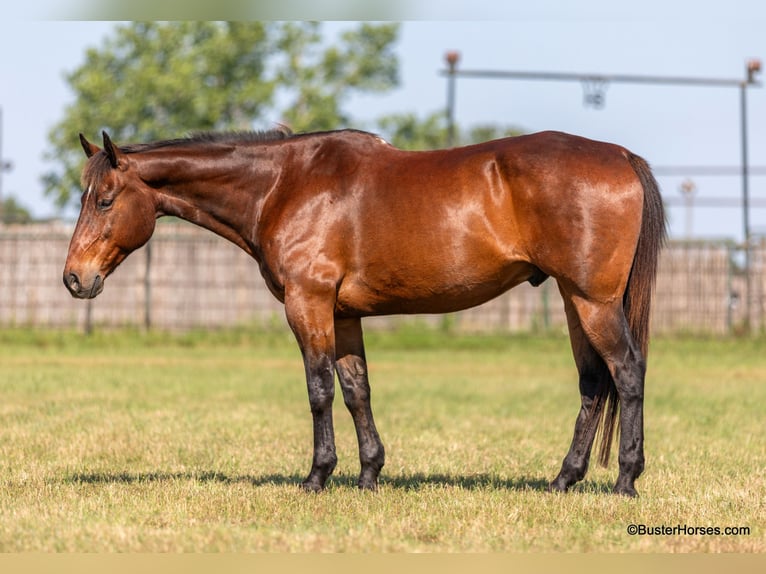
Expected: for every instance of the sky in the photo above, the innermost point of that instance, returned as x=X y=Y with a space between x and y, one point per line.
x=671 y=126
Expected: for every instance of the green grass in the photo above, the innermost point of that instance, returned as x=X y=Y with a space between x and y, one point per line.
x=151 y=443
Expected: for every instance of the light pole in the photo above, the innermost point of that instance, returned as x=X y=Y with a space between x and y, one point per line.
x=687 y=189
x=753 y=68
x=452 y=60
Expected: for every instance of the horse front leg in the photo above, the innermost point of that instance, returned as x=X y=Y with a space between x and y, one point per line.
x=351 y=366
x=311 y=319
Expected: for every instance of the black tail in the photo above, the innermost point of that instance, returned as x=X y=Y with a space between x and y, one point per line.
x=637 y=298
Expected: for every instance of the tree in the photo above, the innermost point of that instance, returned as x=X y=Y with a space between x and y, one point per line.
x=11 y=211
x=320 y=80
x=155 y=80
x=407 y=131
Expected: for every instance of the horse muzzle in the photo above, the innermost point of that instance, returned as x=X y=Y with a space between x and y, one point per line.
x=81 y=290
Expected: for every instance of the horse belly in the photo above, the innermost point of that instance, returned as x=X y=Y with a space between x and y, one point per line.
x=426 y=291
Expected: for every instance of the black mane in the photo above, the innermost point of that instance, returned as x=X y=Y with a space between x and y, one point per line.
x=233 y=137
x=98 y=165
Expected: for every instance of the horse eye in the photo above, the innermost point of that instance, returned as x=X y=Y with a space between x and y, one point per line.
x=105 y=203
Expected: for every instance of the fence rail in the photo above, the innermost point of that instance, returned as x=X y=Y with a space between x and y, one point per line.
x=189 y=278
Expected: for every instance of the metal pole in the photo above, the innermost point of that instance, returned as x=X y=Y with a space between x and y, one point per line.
x=687 y=191
x=452 y=60
x=603 y=78
x=89 y=317
x=745 y=199
x=148 y=288
x=753 y=67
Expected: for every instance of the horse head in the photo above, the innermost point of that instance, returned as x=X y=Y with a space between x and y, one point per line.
x=117 y=216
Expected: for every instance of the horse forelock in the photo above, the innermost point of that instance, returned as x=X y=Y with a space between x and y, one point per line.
x=94 y=171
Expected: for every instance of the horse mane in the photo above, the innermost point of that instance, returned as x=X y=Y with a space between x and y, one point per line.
x=229 y=137
x=232 y=137
x=98 y=165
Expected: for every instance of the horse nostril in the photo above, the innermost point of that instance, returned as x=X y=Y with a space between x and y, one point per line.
x=73 y=282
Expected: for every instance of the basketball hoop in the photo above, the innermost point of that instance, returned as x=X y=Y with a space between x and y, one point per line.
x=594 y=92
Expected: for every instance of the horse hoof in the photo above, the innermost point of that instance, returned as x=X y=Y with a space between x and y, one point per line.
x=311 y=486
x=368 y=485
x=628 y=491
x=368 y=479
x=557 y=485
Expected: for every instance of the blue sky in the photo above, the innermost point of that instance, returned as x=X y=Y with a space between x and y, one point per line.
x=670 y=126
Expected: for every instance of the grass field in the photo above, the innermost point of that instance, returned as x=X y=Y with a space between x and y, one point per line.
x=127 y=443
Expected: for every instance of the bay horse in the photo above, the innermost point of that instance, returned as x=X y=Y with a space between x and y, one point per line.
x=344 y=225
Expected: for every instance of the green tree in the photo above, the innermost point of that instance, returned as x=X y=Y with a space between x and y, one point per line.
x=11 y=211
x=155 y=80
x=319 y=80
x=407 y=131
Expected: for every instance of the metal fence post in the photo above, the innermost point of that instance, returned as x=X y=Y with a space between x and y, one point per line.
x=148 y=287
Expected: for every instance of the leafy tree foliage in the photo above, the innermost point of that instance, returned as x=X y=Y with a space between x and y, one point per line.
x=407 y=131
x=11 y=211
x=319 y=80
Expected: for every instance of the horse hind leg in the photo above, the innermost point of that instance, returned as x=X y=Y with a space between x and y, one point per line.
x=593 y=377
x=608 y=332
x=351 y=366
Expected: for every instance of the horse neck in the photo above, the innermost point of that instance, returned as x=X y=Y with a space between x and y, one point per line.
x=221 y=190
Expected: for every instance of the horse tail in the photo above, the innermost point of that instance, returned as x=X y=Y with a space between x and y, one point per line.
x=638 y=293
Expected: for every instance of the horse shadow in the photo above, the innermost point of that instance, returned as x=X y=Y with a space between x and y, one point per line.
x=406 y=482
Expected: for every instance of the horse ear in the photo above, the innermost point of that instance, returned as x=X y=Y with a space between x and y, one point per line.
x=90 y=149
x=111 y=150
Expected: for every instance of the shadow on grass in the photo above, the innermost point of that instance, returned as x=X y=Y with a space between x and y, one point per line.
x=411 y=482
x=206 y=476
x=486 y=481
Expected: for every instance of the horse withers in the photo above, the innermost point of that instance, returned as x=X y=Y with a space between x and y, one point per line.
x=344 y=225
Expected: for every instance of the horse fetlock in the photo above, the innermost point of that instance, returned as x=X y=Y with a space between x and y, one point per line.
x=321 y=470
